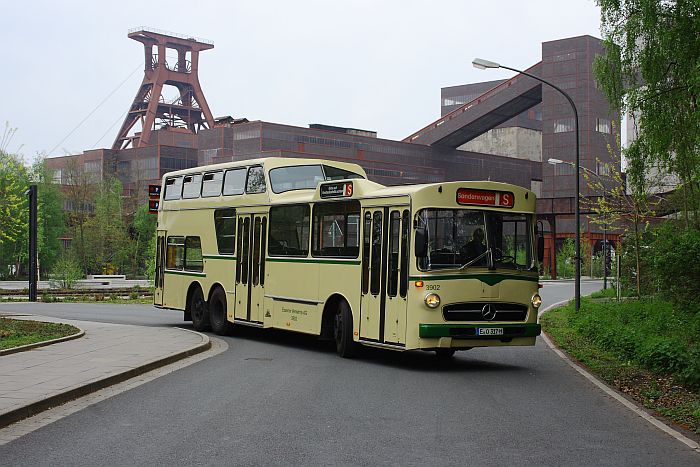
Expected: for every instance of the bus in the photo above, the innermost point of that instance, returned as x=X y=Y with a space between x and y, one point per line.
x=313 y=246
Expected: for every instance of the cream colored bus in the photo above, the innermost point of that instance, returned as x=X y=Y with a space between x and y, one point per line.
x=313 y=246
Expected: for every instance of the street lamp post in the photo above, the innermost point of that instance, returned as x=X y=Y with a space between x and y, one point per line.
x=553 y=161
x=484 y=64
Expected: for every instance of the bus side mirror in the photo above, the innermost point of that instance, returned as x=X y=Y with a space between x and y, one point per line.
x=421 y=249
x=540 y=249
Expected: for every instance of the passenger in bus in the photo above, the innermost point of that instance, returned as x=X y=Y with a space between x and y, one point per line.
x=475 y=247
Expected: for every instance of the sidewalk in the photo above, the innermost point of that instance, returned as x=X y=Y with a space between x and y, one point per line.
x=38 y=379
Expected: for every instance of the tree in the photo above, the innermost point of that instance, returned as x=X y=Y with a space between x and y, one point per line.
x=105 y=233
x=651 y=70
x=80 y=193
x=51 y=222
x=14 y=217
x=141 y=232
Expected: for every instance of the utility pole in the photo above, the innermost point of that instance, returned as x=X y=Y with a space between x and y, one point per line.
x=33 y=276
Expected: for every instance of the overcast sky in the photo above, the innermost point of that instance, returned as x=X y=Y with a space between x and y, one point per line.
x=376 y=65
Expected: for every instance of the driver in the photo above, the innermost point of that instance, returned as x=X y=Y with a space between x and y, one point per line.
x=475 y=247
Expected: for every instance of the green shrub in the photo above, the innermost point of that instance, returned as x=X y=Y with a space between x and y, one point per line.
x=66 y=272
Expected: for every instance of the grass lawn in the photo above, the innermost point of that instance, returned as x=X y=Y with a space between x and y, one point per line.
x=648 y=349
x=17 y=332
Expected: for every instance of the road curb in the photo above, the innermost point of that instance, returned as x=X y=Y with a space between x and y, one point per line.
x=629 y=404
x=24 y=348
x=32 y=409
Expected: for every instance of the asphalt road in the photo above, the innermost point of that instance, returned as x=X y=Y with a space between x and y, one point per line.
x=285 y=399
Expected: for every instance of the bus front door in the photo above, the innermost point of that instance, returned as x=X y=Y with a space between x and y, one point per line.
x=160 y=263
x=250 y=268
x=384 y=275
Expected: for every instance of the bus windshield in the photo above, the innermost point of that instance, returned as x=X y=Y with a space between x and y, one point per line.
x=463 y=238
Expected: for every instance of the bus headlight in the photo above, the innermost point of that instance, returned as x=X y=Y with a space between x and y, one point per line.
x=432 y=300
x=536 y=300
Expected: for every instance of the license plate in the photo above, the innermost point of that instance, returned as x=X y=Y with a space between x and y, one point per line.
x=489 y=331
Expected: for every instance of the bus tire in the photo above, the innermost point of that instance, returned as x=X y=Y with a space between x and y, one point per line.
x=342 y=331
x=217 y=313
x=198 y=310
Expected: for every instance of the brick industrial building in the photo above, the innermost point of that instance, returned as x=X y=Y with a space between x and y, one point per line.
x=499 y=130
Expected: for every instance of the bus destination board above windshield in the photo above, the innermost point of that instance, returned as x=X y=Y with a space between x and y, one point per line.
x=336 y=190
x=501 y=199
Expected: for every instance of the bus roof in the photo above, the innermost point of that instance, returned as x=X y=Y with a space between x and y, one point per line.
x=269 y=163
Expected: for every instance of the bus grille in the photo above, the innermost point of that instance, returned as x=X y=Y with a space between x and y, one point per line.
x=474 y=311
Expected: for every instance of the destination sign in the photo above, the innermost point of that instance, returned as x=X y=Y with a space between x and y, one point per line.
x=501 y=199
x=154 y=191
x=336 y=190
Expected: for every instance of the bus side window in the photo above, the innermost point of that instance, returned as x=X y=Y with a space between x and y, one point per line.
x=394 y=228
x=289 y=230
x=234 y=182
x=335 y=229
x=173 y=188
x=175 y=253
x=211 y=184
x=193 y=254
x=225 y=226
x=256 y=180
x=403 y=285
x=192 y=186
x=366 y=252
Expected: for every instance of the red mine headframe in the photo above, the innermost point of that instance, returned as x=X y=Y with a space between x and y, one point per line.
x=189 y=110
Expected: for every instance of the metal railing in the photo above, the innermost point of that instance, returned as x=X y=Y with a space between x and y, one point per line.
x=172 y=34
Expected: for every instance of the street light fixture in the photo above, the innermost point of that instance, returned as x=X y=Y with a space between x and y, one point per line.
x=482 y=64
x=554 y=161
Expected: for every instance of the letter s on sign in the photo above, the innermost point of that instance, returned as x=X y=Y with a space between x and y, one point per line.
x=506 y=199
x=348 y=189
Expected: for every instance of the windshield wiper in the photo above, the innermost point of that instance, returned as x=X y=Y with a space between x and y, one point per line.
x=466 y=265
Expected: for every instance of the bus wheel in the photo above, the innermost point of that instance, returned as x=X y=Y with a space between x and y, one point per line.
x=198 y=310
x=342 y=331
x=217 y=313
x=445 y=354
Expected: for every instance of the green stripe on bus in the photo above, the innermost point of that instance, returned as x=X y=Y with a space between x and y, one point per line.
x=230 y=258
x=318 y=261
x=490 y=279
x=187 y=273
x=453 y=330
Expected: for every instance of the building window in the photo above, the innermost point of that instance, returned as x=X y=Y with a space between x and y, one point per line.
x=603 y=169
x=564 y=169
x=562 y=125
x=564 y=57
x=602 y=125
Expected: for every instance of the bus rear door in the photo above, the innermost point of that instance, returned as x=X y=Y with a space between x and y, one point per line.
x=250 y=267
x=160 y=262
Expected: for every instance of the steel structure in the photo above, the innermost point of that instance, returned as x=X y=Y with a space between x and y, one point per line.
x=189 y=110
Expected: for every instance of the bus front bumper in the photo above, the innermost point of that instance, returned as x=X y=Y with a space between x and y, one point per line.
x=479 y=331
